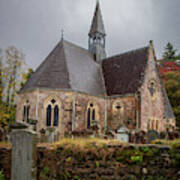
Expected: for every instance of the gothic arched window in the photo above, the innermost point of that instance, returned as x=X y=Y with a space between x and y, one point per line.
x=26 y=110
x=56 y=115
x=92 y=114
x=48 y=115
x=52 y=106
x=24 y=113
x=89 y=118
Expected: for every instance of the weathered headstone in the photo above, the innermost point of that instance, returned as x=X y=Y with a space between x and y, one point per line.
x=50 y=133
x=152 y=135
x=122 y=134
x=23 y=165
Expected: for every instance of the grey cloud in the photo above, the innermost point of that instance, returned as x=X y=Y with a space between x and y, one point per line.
x=35 y=26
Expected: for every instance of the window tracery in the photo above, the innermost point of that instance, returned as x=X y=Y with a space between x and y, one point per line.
x=52 y=108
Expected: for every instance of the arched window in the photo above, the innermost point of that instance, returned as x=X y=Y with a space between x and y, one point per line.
x=52 y=106
x=24 y=113
x=152 y=126
x=26 y=110
x=92 y=114
x=148 y=125
x=48 y=115
x=89 y=118
x=56 y=115
x=157 y=125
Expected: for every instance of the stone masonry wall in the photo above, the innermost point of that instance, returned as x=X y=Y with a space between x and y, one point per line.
x=82 y=102
x=152 y=106
x=111 y=112
x=122 y=111
x=102 y=162
x=39 y=100
x=5 y=161
x=109 y=162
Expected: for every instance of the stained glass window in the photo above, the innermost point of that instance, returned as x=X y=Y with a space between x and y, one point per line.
x=56 y=116
x=89 y=118
x=48 y=116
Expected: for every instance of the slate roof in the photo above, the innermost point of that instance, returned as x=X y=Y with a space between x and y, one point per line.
x=169 y=114
x=123 y=74
x=68 y=66
x=97 y=22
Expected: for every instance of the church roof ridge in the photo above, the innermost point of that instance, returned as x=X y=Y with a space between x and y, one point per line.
x=127 y=52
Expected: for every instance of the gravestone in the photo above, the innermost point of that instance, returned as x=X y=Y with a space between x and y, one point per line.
x=152 y=135
x=123 y=134
x=50 y=133
x=23 y=165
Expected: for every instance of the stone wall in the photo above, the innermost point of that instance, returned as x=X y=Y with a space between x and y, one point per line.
x=102 y=162
x=74 y=109
x=152 y=105
x=122 y=111
x=109 y=162
x=5 y=161
x=39 y=100
x=82 y=102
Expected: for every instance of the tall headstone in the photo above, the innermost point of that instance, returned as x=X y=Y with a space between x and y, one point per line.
x=23 y=165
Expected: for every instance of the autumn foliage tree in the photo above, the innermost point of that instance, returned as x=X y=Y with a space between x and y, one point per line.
x=170 y=72
x=11 y=71
x=14 y=61
x=172 y=84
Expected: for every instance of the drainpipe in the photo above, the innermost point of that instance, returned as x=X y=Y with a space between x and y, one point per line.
x=74 y=113
x=37 y=104
x=105 y=116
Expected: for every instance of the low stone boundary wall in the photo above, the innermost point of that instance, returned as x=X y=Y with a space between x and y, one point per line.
x=102 y=162
x=130 y=162
x=5 y=161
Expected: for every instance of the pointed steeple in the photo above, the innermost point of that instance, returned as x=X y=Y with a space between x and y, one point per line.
x=97 y=36
x=97 y=25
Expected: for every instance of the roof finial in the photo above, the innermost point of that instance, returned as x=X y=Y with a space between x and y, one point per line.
x=62 y=34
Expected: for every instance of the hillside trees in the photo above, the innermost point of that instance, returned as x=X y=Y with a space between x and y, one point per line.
x=14 y=61
x=172 y=84
x=26 y=76
x=12 y=70
x=170 y=72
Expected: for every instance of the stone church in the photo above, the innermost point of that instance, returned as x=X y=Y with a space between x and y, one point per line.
x=78 y=90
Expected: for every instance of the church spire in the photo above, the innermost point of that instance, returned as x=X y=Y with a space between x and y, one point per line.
x=97 y=35
x=97 y=23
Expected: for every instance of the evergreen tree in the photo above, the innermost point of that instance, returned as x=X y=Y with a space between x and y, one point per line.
x=169 y=53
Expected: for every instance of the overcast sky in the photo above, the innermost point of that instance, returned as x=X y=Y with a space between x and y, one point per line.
x=34 y=26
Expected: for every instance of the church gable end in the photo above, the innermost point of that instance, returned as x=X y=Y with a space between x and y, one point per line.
x=154 y=100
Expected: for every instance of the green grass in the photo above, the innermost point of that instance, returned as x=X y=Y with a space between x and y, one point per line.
x=83 y=143
x=166 y=142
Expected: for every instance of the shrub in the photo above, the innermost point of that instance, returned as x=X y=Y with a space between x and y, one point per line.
x=2 y=175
